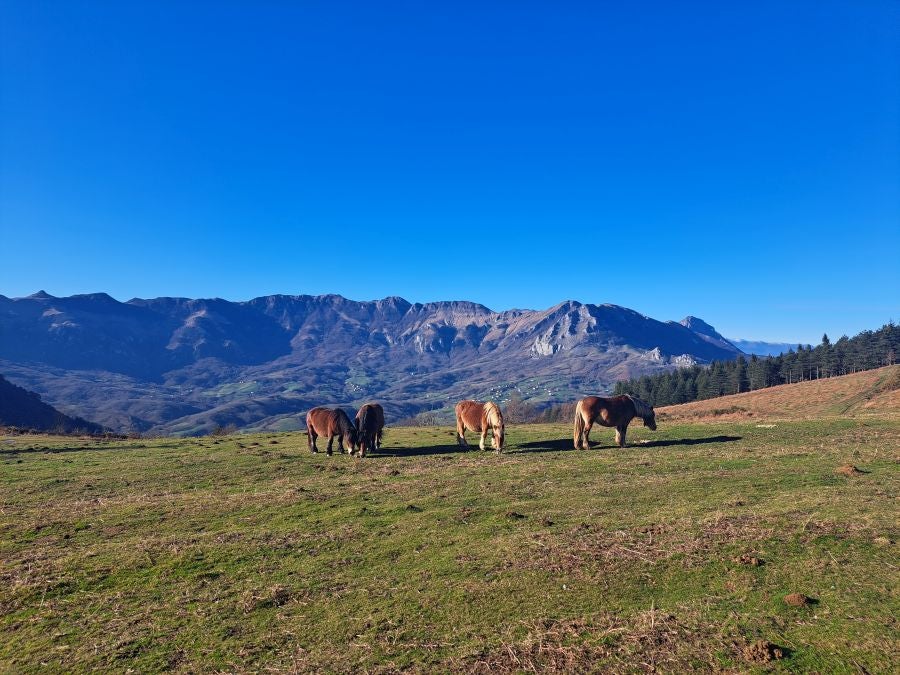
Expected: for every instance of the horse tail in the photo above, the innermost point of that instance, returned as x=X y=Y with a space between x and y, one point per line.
x=579 y=424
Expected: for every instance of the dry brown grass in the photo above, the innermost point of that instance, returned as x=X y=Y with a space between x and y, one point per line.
x=651 y=641
x=870 y=393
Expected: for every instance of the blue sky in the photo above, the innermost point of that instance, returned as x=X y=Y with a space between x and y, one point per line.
x=735 y=161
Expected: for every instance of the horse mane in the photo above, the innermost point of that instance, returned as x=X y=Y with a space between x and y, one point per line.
x=367 y=414
x=641 y=408
x=491 y=408
x=344 y=422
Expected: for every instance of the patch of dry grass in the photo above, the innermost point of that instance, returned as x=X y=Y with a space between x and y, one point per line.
x=868 y=393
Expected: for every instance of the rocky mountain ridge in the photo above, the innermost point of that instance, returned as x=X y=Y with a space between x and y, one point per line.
x=183 y=365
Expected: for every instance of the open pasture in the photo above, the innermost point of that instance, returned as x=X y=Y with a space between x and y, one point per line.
x=247 y=552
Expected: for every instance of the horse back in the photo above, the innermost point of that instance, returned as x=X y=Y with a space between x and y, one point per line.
x=608 y=411
x=470 y=413
x=327 y=422
x=317 y=421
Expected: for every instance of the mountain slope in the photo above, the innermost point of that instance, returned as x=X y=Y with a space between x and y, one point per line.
x=24 y=409
x=185 y=365
x=871 y=392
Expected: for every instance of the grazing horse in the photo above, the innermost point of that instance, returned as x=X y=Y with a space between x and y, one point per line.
x=480 y=417
x=330 y=423
x=369 y=428
x=616 y=412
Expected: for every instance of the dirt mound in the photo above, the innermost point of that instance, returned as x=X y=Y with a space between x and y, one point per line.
x=797 y=600
x=848 y=470
x=747 y=559
x=763 y=651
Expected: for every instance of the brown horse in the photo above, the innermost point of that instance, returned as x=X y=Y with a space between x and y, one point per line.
x=616 y=412
x=330 y=423
x=480 y=417
x=369 y=427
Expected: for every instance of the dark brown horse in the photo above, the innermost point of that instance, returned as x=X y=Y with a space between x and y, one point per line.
x=330 y=423
x=369 y=427
x=616 y=412
x=480 y=417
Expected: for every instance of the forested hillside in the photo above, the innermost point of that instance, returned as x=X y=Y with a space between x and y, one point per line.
x=868 y=350
x=25 y=409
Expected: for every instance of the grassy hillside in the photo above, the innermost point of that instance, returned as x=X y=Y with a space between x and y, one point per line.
x=249 y=553
x=868 y=393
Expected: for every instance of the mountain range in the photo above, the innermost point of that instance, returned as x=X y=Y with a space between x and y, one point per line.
x=185 y=366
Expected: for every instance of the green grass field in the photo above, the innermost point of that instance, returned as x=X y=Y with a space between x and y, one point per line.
x=249 y=553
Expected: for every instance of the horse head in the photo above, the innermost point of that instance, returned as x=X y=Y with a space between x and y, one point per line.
x=645 y=412
x=499 y=437
x=494 y=418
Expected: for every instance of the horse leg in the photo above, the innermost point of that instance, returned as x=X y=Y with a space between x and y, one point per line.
x=330 y=443
x=341 y=445
x=461 y=434
x=311 y=440
x=378 y=439
x=620 y=435
x=586 y=443
x=483 y=438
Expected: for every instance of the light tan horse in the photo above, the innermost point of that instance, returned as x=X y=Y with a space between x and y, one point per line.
x=617 y=412
x=481 y=418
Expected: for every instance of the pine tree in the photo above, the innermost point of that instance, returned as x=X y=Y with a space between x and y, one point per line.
x=738 y=377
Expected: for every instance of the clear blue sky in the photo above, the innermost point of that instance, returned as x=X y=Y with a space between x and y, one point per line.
x=739 y=161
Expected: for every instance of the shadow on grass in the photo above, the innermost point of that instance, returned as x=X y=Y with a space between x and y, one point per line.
x=53 y=451
x=690 y=441
x=564 y=444
x=88 y=448
x=422 y=451
x=546 y=446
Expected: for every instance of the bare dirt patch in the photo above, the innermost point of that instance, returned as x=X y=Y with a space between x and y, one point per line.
x=797 y=600
x=750 y=560
x=762 y=651
x=848 y=470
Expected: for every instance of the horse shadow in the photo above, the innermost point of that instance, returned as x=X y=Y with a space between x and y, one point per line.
x=421 y=451
x=558 y=445
x=60 y=450
x=566 y=444
x=690 y=441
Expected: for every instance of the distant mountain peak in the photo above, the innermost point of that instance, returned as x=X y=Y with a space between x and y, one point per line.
x=700 y=326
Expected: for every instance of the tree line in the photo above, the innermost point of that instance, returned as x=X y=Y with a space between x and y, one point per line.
x=868 y=350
